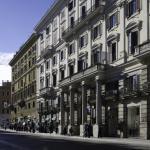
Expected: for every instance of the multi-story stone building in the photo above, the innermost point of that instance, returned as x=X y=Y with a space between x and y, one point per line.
x=5 y=99
x=93 y=66
x=24 y=81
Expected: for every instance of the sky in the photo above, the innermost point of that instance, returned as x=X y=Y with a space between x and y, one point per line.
x=17 y=21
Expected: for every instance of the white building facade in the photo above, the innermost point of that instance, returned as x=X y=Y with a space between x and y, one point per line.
x=93 y=66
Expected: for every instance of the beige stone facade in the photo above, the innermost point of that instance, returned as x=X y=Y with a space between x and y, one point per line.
x=24 y=81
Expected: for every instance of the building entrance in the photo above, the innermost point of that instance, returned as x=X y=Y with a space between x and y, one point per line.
x=133 y=121
x=112 y=121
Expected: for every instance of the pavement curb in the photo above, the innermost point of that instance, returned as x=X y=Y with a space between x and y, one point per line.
x=126 y=142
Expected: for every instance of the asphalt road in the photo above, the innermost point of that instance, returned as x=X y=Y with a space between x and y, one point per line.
x=15 y=141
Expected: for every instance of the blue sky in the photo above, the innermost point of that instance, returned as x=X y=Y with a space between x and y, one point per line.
x=17 y=21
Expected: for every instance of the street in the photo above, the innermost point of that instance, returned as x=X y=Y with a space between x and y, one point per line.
x=17 y=141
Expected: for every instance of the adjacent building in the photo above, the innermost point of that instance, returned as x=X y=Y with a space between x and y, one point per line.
x=93 y=66
x=5 y=100
x=23 y=104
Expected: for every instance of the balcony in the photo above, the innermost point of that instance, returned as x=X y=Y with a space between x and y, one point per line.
x=48 y=110
x=81 y=21
x=146 y=87
x=130 y=93
x=89 y=72
x=111 y=94
x=48 y=92
x=142 y=52
x=47 y=52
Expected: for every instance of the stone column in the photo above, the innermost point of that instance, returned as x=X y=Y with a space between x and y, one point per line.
x=71 y=103
x=97 y=130
x=62 y=113
x=84 y=104
x=125 y=120
x=148 y=103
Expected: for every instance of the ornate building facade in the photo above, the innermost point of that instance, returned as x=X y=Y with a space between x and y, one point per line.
x=5 y=100
x=23 y=104
x=93 y=67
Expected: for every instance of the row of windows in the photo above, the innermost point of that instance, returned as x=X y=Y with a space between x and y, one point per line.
x=25 y=92
x=27 y=106
x=31 y=52
x=132 y=7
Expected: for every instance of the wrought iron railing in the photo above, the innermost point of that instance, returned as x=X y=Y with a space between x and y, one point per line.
x=84 y=17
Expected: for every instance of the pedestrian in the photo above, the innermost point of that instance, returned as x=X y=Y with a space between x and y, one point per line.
x=71 y=131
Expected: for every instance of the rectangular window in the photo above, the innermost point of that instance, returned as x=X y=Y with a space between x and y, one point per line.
x=132 y=41
x=112 y=21
x=132 y=7
x=95 y=57
x=83 y=12
x=62 y=15
x=83 y=40
x=95 y=32
x=54 y=80
x=114 y=51
x=54 y=60
x=62 y=74
x=72 y=22
x=41 y=37
x=71 y=49
x=47 y=65
x=70 y=5
x=47 y=81
x=47 y=31
x=71 y=70
x=41 y=69
x=97 y=3
x=61 y=55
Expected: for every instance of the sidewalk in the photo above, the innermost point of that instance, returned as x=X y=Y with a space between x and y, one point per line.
x=139 y=143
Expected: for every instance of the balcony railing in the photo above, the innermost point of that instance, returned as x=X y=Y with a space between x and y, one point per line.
x=48 y=92
x=111 y=94
x=47 y=52
x=130 y=92
x=143 y=50
x=146 y=87
x=91 y=71
x=89 y=14
x=48 y=110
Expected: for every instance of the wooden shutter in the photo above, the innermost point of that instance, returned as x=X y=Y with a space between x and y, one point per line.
x=86 y=39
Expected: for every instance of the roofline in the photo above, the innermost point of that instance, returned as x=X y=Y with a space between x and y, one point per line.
x=33 y=37
x=47 y=13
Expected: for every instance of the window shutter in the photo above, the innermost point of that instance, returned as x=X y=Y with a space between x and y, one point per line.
x=127 y=10
x=138 y=4
x=100 y=29
x=110 y=53
x=86 y=39
x=129 y=43
x=108 y=23
x=80 y=42
x=73 y=46
x=64 y=54
x=117 y=15
x=56 y=59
